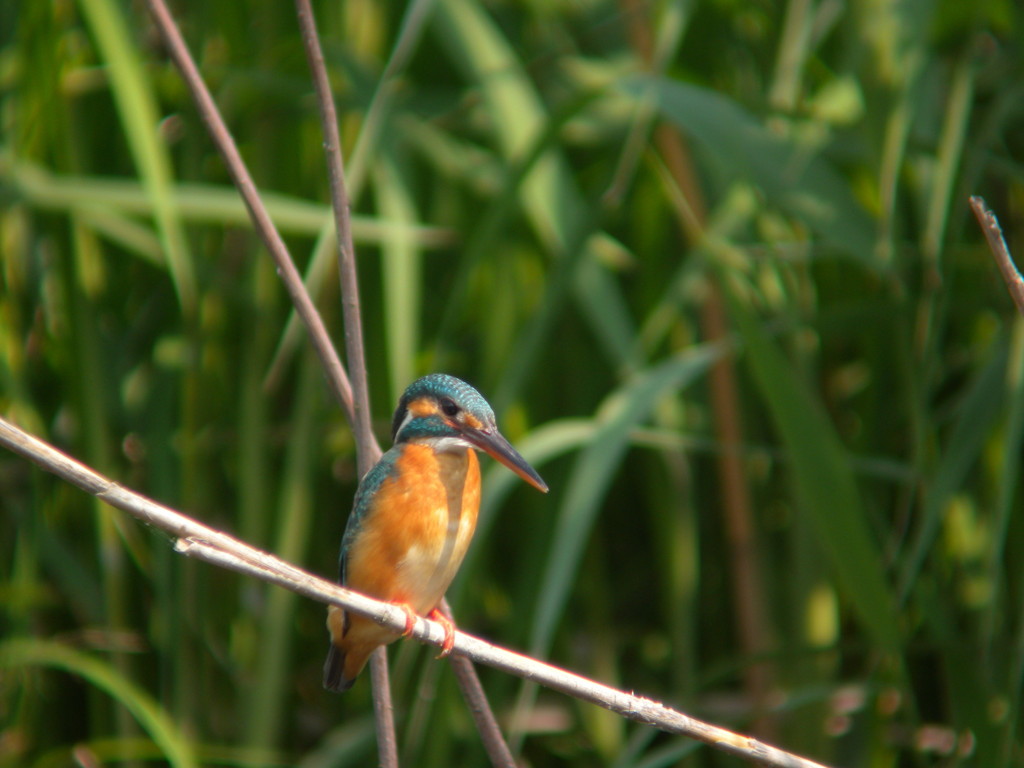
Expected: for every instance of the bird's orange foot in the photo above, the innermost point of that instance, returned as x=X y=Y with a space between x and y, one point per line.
x=410 y=618
x=449 y=631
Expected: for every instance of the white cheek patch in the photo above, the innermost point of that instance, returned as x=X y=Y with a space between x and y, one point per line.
x=445 y=444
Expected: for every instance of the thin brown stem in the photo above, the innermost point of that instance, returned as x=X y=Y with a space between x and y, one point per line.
x=476 y=699
x=210 y=545
x=383 y=709
x=257 y=211
x=994 y=234
x=354 y=396
x=747 y=585
x=368 y=450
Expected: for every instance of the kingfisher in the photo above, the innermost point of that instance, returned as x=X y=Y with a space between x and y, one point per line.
x=413 y=516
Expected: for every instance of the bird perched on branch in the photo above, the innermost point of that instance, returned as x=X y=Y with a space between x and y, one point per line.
x=414 y=515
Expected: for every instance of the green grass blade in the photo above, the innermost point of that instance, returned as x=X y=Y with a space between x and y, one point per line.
x=951 y=148
x=176 y=747
x=401 y=267
x=594 y=471
x=196 y=203
x=549 y=194
x=964 y=448
x=824 y=483
x=140 y=118
x=1009 y=474
x=517 y=114
x=793 y=175
x=265 y=703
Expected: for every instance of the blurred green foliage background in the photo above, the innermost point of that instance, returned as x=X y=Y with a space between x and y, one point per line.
x=713 y=264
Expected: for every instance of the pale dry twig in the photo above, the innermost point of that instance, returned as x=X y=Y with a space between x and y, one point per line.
x=205 y=543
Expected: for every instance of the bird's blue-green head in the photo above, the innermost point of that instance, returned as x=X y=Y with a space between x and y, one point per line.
x=448 y=413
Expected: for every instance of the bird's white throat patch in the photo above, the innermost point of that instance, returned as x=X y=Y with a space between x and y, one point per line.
x=445 y=444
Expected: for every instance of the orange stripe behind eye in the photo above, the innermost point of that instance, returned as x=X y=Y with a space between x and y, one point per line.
x=422 y=406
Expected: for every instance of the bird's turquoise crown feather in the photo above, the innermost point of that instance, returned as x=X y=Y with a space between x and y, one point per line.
x=440 y=387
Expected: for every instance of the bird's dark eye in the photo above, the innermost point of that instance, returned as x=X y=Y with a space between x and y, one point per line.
x=449 y=407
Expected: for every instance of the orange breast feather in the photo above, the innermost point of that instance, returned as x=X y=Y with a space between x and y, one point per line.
x=413 y=540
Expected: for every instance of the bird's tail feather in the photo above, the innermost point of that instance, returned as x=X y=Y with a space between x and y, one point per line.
x=334 y=671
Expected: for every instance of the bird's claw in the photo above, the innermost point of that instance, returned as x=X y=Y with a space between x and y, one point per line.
x=434 y=615
x=449 y=632
x=410 y=618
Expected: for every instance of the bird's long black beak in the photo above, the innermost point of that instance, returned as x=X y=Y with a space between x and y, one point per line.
x=495 y=444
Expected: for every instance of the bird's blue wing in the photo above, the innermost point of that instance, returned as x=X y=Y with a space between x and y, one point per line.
x=363 y=502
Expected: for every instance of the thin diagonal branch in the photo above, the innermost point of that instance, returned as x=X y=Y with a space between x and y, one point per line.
x=353 y=397
x=476 y=699
x=994 y=234
x=383 y=709
x=200 y=541
x=367 y=449
x=257 y=211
